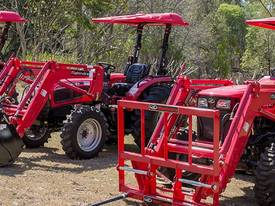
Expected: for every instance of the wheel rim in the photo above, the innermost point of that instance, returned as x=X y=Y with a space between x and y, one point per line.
x=36 y=134
x=89 y=135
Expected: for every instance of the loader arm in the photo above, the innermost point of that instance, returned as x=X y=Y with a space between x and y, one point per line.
x=41 y=89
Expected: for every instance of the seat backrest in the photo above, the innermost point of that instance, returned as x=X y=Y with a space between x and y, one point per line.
x=136 y=72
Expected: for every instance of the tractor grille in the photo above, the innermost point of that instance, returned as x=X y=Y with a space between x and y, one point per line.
x=205 y=125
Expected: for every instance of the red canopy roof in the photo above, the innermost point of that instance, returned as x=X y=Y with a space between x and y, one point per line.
x=10 y=16
x=265 y=23
x=152 y=19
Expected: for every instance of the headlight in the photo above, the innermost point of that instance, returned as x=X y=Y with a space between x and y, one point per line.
x=224 y=104
x=202 y=103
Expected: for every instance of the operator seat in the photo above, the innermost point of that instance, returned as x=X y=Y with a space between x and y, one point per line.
x=133 y=73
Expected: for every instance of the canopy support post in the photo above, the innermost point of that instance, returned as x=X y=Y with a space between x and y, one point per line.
x=162 y=61
x=138 y=43
x=4 y=36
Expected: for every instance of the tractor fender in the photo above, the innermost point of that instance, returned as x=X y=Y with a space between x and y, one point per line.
x=138 y=88
x=117 y=78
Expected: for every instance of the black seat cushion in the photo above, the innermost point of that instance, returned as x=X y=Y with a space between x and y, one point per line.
x=133 y=73
x=136 y=72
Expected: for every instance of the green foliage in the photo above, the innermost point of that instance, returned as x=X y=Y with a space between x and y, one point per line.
x=259 y=54
x=260 y=44
x=43 y=57
x=229 y=29
x=217 y=42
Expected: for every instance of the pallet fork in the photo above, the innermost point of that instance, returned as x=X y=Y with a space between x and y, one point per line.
x=224 y=156
x=146 y=163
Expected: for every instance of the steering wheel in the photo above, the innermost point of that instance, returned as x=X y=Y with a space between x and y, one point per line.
x=108 y=68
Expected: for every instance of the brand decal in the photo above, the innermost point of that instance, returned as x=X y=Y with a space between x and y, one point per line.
x=163 y=108
x=272 y=96
x=80 y=73
x=153 y=107
x=246 y=127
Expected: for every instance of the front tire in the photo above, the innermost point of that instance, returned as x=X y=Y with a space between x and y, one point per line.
x=36 y=136
x=265 y=183
x=84 y=133
x=11 y=146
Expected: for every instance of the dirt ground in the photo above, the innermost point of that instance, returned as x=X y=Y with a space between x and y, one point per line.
x=45 y=176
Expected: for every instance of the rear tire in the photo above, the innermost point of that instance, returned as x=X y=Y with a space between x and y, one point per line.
x=84 y=133
x=265 y=183
x=155 y=94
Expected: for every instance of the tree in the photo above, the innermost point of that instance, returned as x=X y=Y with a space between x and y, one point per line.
x=229 y=30
x=260 y=43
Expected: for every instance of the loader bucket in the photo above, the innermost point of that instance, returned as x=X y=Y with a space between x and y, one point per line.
x=11 y=145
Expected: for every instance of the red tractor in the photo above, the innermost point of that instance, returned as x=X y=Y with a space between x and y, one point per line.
x=86 y=95
x=205 y=131
x=50 y=92
x=135 y=83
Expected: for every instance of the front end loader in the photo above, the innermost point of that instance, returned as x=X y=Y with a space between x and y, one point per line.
x=51 y=90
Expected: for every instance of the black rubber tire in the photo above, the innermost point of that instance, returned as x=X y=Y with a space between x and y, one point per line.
x=155 y=94
x=264 y=177
x=11 y=146
x=36 y=143
x=69 y=132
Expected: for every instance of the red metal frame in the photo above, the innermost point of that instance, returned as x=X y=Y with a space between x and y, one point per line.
x=49 y=76
x=149 y=19
x=11 y=16
x=257 y=100
x=268 y=23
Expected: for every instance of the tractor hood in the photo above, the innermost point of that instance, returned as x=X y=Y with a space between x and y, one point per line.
x=234 y=91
